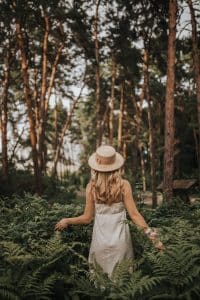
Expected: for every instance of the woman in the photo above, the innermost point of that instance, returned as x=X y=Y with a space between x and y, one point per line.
x=108 y=196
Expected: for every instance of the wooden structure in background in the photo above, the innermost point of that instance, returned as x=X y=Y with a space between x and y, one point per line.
x=181 y=188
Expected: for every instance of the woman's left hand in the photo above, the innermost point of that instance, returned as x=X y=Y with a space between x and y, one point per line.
x=159 y=245
x=62 y=224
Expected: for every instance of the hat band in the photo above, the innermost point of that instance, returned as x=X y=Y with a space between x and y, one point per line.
x=105 y=160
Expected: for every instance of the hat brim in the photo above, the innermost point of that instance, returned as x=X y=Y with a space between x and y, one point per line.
x=119 y=161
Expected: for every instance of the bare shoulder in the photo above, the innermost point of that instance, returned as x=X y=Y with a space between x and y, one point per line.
x=127 y=190
x=89 y=188
x=126 y=184
x=89 y=185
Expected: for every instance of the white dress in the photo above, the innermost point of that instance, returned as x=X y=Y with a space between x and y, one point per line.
x=111 y=239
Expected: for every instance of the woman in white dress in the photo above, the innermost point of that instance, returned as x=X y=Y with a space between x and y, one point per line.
x=108 y=196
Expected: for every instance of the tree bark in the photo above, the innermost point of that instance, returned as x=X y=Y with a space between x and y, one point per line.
x=28 y=99
x=55 y=127
x=138 y=119
x=61 y=139
x=169 y=105
x=14 y=150
x=97 y=77
x=41 y=135
x=196 y=65
x=4 y=115
x=36 y=103
x=46 y=90
x=136 y=149
x=52 y=76
x=124 y=151
x=112 y=99
x=64 y=130
x=120 y=122
x=196 y=144
x=151 y=129
x=144 y=185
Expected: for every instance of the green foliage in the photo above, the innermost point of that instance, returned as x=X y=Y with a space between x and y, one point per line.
x=120 y=39
x=38 y=263
x=173 y=274
x=21 y=181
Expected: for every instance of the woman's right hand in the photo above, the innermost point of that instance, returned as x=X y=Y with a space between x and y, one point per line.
x=62 y=224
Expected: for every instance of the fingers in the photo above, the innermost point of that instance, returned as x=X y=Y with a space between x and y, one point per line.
x=161 y=248
x=62 y=224
x=58 y=227
x=159 y=245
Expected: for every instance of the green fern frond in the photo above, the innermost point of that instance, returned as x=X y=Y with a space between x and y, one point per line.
x=38 y=287
x=7 y=294
x=137 y=285
x=7 y=290
x=122 y=271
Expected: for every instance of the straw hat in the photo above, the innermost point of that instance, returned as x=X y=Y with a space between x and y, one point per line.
x=105 y=159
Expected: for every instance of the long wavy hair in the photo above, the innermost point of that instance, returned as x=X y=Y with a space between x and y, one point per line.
x=107 y=186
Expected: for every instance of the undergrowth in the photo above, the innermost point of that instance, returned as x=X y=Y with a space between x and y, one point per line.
x=38 y=263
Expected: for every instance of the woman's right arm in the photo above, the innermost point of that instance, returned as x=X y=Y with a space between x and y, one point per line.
x=85 y=218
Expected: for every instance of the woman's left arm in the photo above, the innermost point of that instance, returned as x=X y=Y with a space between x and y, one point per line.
x=85 y=218
x=137 y=218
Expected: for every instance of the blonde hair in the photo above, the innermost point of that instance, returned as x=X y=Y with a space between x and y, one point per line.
x=107 y=186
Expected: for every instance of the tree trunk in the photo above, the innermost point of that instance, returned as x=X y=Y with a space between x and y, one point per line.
x=61 y=139
x=112 y=99
x=4 y=115
x=28 y=99
x=138 y=142
x=196 y=64
x=36 y=103
x=120 y=123
x=14 y=150
x=41 y=135
x=98 y=79
x=46 y=90
x=169 y=105
x=124 y=151
x=52 y=76
x=159 y=132
x=151 y=129
x=55 y=127
x=136 y=149
x=64 y=130
x=196 y=144
x=144 y=185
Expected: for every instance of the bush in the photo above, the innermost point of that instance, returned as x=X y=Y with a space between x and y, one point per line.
x=22 y=181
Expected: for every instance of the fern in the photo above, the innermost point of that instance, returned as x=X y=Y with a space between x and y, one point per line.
x=7 y=290
x=33 y=286
x=38 y=263
x=123 y=284
x=179 y=269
